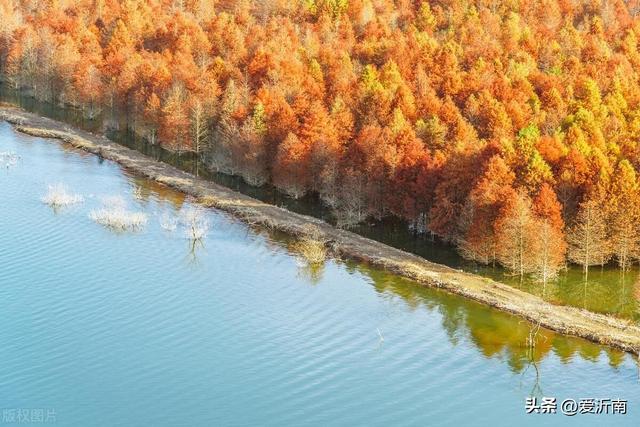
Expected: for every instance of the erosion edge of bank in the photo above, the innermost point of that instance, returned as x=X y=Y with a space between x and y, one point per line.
x=599 y=328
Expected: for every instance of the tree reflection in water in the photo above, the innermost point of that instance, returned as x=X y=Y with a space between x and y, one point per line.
x=312 y=272
x=492 y=332
x=194 y=247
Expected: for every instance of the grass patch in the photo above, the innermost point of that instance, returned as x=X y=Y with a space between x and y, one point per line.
x=312 y=245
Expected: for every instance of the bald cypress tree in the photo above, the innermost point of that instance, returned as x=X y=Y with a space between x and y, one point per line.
x=516 y=236
x=550 y=248
x=624 y=206
x=587 y=238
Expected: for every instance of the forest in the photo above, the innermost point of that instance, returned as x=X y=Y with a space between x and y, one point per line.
x=510 y=129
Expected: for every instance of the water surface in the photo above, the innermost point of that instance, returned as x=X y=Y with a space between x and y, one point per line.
x=136 y=329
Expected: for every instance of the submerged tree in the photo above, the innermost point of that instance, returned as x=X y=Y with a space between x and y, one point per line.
x=195 y=223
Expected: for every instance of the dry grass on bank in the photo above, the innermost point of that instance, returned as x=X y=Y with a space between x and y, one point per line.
x=312 y=245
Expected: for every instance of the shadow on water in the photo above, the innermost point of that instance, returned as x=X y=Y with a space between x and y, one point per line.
x=607 y=291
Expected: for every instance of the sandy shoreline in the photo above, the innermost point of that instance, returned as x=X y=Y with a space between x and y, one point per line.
x=599 y=328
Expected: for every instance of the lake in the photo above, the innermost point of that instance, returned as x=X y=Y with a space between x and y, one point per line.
x=141 y=328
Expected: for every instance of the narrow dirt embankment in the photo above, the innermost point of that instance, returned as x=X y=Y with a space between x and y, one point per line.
x=599 y=328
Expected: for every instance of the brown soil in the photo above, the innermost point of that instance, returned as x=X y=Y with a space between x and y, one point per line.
x=602 y=329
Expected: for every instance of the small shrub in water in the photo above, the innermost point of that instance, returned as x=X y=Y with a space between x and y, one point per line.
x=114 y=215
x=195 y=223
x=168 y=223
x=8 y=159
x=57 y=196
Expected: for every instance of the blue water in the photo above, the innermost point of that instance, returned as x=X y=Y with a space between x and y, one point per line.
x=143 y=329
